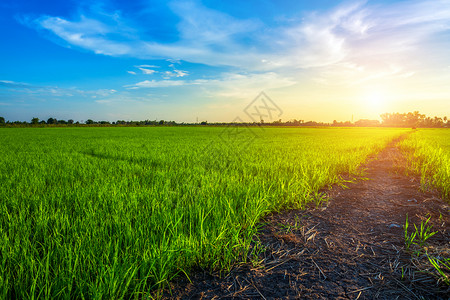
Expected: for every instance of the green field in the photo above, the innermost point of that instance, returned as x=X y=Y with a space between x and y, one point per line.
x=117 y=212
x=428 y=154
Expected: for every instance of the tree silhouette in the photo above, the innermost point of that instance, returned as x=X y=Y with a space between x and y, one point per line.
x=52 y=121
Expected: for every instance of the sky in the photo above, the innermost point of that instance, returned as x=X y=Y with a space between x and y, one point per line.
x=209 y=60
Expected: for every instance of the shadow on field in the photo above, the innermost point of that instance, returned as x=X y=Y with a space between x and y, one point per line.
x=135 y=160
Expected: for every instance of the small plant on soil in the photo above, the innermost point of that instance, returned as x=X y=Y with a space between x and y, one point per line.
x=419 y=236
x=319 y=199
x=424 y=233
x=409 y=239
x=440 y=266
x=290 y=228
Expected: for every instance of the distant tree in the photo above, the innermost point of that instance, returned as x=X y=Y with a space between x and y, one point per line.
x=438 y=122
x=296 y=122
x=161 y=122
x=427 y=122
x=150 y=122
x=367 y=123
x=412 y=119
x=70 y=121
x=35 y=121
x=2 y=121
x=89 y=122
x=42 y=122
x=62 y=122
x=347 y=124
x=52 y=121
x=279 y=122
x=204 y=123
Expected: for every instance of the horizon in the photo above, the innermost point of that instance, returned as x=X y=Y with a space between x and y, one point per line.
x=183 y=60
x=410 y=119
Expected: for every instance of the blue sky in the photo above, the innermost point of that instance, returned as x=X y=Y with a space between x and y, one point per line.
x=183 y=60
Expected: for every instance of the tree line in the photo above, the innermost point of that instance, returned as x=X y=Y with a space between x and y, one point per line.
x=88 y=122
x=410 y=119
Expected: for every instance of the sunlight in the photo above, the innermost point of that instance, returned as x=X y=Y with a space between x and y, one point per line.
x=375 y=100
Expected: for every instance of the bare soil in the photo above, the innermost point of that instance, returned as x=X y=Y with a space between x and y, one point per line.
x=351 y=248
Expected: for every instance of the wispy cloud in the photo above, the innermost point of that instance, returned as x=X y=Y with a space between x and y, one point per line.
x=155 y=84
x=235 y=85
x=354 y=42
x=103 y=101
x=102 y=92
x=201 y=30
x=12 y=84
x=147 y=71
x=246 y=85
x=87 y=33
x=175 y=73
x=53 y=90
x=147 y=66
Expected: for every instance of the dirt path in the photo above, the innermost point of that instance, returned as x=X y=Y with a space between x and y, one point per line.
x=351 y=249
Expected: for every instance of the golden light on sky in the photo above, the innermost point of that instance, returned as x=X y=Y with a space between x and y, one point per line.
x=376 y=100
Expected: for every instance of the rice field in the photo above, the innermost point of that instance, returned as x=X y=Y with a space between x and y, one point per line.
x=428 y=154
x=118 y=212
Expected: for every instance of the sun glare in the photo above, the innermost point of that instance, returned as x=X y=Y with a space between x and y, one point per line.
x=375 y=101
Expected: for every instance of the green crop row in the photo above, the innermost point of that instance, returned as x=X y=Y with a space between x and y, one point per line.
x=428 y=155
x=118 y=212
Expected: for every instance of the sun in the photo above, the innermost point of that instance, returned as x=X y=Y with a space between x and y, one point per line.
x=375 y=101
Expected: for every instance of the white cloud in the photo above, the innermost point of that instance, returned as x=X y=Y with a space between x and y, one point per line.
x=174 y=73
x=245 y=86
x=147 y=71
x=155 y=84
x=86 y=33
x=13 y=84
x=103 y=101
x=173 y=61
x=54 y=90
x=201 y=30
x=105 y=92
x=180 y=73
x=354 y=42
x=205 y=26
x=227 y=84
x=147 y=66
x=131 y=72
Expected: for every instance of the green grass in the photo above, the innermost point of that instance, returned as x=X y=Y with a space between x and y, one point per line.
x=428 y=155
x=118 y=212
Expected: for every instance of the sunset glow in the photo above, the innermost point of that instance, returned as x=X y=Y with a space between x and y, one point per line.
x=376 y=101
